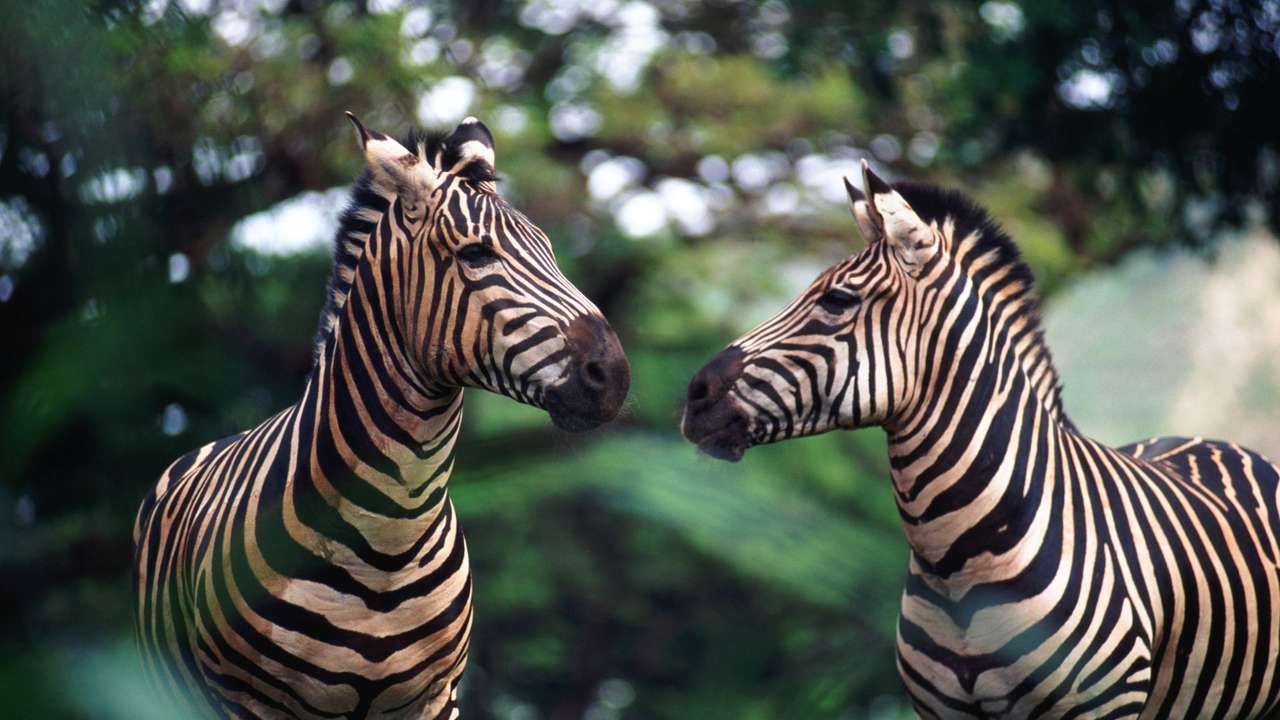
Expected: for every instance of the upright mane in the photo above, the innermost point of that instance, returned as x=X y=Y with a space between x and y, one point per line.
x=976 y=235
x=364 y=209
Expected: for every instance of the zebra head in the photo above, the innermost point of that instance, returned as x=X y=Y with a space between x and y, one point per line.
x=839 y=355
x=468 y=286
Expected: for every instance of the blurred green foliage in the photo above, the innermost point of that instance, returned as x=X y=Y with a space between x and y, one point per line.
x=686 y=160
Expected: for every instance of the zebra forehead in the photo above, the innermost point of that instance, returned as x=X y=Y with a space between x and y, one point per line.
x=849 y=271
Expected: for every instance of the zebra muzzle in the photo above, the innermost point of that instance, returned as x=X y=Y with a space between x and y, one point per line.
x=597 y=381
x=712 y=420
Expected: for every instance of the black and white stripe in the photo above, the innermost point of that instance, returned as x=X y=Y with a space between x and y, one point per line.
x=313 y=566
x=1051 y=576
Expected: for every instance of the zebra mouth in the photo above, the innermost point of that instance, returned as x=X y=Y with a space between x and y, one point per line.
x=726 y=445
x=721 y=432
x=578 y=405
x=574 y=422
x=569 y=412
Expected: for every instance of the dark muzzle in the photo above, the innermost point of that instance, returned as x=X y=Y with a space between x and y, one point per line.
x=597 y=380
x=712 y=420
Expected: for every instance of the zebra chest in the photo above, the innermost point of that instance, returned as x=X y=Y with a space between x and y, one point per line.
x=332 y=654
x=1021 y=660
x=966 y=684
x=336 y=636
x=961 y=668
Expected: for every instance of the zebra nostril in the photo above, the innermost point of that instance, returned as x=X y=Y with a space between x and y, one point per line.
x=698 y=390
x=593 y=375
x=712 y=382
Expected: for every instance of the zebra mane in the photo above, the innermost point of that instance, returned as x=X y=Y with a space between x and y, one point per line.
x=357 y=222
x=977 y=235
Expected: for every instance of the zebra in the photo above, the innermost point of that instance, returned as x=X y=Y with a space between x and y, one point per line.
x=313 y=566
x=1050 y=576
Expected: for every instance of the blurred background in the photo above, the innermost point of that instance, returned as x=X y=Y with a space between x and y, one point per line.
x=170 y=174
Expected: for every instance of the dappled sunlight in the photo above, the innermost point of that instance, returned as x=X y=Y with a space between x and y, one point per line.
x=300 y=224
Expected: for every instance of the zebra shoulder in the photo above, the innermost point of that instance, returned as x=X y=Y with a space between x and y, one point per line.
x=189 y=463
x=1161 y=448
x=1213 y=463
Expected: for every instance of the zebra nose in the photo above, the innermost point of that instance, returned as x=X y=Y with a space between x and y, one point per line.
x=602 y=365
x=597 y=386
x=711 y=383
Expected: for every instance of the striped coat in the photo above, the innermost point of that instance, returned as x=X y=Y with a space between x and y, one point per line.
x=1050 y=576
x=313 y=566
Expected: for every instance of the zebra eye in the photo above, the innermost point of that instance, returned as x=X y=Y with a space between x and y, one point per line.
x=837 y=301
x=476 y=254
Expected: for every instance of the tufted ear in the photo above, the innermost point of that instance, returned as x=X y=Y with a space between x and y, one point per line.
x=883 y=214
x=470 y=142
x=393 y=169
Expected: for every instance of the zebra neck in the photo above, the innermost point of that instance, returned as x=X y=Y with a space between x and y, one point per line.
x=381 y=441
x=971 y=478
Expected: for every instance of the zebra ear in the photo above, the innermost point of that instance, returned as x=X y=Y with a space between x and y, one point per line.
x=868 y=225
x=471 y=142
x=913 y=241
x=392 y=168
